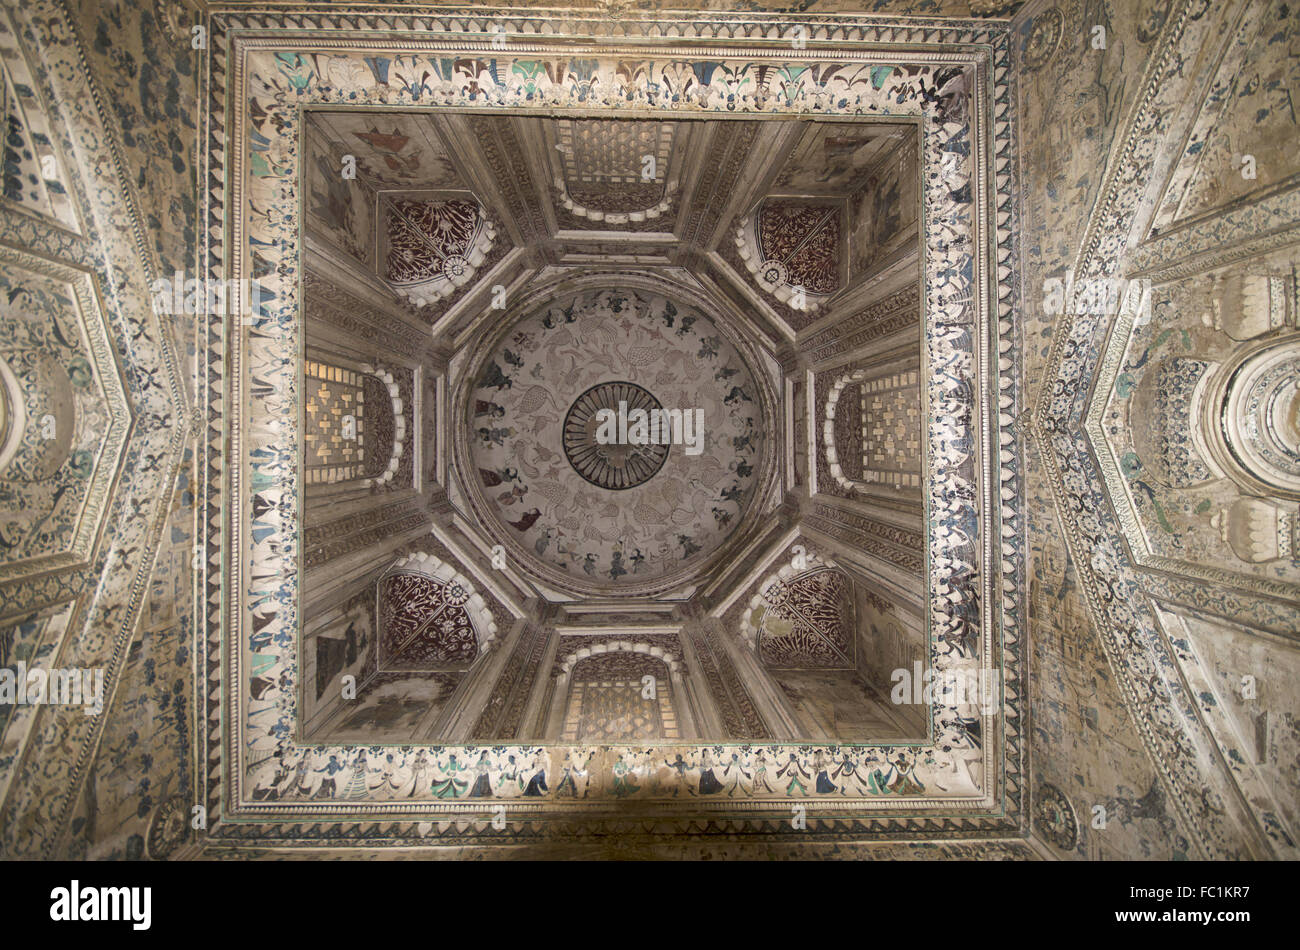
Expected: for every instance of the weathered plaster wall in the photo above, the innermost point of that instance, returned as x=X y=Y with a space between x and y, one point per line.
x=1082 y=741
x=126 y=146
x=142 y=62
x=1075 y=101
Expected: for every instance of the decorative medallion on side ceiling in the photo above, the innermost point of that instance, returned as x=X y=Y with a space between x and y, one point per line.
x=430 y=617
x=614 y=515
x=792 y=247
x=803 y=621
x=844 y=198
x=1199 y=430
x=435 y=245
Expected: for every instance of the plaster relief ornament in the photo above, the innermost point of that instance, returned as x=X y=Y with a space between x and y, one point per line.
x=397 y=420
x=1260 y=418
x=1054 y=818
x=1257 y=531
x=1246 y=306
x=1044 y=38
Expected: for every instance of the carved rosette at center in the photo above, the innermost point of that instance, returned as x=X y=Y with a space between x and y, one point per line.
x=616 y=465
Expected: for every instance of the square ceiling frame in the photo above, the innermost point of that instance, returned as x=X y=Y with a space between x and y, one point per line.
x=954 y=74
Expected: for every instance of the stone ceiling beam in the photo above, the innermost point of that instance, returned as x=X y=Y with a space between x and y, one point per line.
x=474 y=310
x=742 y=169
x=482 y=151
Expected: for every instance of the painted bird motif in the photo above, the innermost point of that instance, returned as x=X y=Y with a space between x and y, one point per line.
x=534 y=398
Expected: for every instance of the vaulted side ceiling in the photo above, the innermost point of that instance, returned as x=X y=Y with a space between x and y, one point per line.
x=777 y=216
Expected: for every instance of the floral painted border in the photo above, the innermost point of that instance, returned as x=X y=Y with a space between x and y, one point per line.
x=955 y=75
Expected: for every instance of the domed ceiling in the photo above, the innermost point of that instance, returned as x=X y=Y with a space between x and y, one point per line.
x=614 y=515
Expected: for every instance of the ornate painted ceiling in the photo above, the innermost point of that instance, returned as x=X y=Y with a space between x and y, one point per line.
x=305 y=342
x=620 y=513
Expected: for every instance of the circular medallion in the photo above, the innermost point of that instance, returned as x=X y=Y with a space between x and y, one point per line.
x=633 y=455
x=772 y=274
x=775 y=594
x=1044 y=38
x=1261 y=416
x=169 y=828
x=455 y=595
x=1054 y=818
x=454 y=267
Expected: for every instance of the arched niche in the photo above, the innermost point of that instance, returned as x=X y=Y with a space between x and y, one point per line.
x=354 y=432
x=620 y=691
x=876 y=413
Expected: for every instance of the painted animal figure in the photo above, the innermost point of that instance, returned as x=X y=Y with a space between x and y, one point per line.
x=527 y=521
x=492 y=376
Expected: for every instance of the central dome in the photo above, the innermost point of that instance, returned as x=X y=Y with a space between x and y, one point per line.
x=615 y=437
